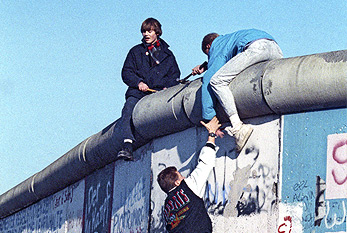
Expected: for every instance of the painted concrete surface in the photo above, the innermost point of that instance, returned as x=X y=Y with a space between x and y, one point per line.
x=131 y=194
x=242 y=187
x=61 y=212
x=289 y=178
x=125 y=197
x=314 y=168
x=98 y=200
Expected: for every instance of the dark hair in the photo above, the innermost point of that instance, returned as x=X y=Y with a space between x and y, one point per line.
x=166 y=178
x=151 y=24
x=208 y=39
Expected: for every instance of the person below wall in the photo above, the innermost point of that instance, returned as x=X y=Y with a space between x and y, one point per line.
x=148 y=67
x=228 y=55
x=184 y=209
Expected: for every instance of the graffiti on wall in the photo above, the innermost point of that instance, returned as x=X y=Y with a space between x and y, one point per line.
x=58 y=213
x=320 y=201
x=132 y=213
x=335 y=213
x=336 y=187
x=98 y=200
x=336 y=166
x=290 y=218
x=252 y=190
x=130 y=210
x=325 y=206
x=286 y=226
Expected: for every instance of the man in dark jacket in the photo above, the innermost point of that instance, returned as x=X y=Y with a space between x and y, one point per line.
x=148 y=67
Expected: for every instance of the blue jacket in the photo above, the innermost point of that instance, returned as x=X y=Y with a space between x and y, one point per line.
x=223 y=48
x=137 y=68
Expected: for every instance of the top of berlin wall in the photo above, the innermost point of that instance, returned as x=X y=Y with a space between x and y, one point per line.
x=289 y=85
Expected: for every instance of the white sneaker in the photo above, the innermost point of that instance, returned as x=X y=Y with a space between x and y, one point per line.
x=241 y=136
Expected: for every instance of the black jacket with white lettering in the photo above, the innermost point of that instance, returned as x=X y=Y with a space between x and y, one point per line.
x=184 y=211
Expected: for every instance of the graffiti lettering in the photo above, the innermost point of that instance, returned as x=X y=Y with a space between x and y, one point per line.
x=62 y=198
x=98 y=215
x=93 y=197
x=338 y=158
x=131 y=212
x=249 y=205
x=307 y=198
x=300 y=185
x=286 y=227
x=128 y=220
x=258 y=195
x=337 y=179
x=301 y=194
x=339 y=174
x=337 y=210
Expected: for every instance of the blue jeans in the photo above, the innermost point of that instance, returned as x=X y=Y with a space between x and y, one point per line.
x=258 y=51
x=126 y=124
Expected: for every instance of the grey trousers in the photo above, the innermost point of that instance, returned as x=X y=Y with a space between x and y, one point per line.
x=258 y=51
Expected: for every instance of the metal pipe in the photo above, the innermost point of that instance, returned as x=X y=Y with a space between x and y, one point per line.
x=312 y=82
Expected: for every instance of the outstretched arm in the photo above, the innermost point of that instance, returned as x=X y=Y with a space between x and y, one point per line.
x=207 y=157
x=212 y=128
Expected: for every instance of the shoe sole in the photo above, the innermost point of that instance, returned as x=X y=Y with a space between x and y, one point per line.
x=125 y=157
x=248 y=135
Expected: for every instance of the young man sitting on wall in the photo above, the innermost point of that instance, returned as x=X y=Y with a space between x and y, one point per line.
x=148 y=67
x=184 y=209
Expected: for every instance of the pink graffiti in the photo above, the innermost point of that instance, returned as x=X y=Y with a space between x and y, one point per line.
x=337 y=146
x=286 y=219
x=337 y=180
x=339 y=161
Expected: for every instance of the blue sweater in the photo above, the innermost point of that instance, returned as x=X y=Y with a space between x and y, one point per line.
x=223 y=48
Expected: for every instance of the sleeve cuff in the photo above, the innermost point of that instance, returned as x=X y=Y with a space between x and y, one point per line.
x=211 y=145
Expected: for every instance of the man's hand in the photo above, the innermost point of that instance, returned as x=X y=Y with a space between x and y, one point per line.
x=212 y=126
x=220 y=133
x=196 y=70
x=143 y=86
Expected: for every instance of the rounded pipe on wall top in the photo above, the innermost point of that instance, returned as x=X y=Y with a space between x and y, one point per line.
x=312 y=82
x=163 y=113
x=306 y=83
x=93 y=153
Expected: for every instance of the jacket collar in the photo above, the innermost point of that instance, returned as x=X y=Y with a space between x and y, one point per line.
x=164 y=50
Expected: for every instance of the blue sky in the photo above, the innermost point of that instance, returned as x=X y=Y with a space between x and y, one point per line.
x=60 y=61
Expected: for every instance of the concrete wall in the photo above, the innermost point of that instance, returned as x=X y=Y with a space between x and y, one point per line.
x=291 y=177
x=241 y=189
x=314 y=172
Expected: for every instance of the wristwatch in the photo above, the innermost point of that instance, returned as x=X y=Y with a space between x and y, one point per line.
x=212 y=135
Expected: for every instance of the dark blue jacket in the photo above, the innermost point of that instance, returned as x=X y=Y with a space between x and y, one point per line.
x=137 y=68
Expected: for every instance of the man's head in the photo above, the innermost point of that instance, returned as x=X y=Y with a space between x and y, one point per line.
x=151 y=30
x=207 y=41
x=169 y=178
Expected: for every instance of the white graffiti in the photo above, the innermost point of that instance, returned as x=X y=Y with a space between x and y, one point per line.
x=336 y=220
x=99 y=215
x=61 y=212
x=131 y=213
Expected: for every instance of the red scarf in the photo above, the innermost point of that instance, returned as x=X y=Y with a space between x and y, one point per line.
x=157 y=44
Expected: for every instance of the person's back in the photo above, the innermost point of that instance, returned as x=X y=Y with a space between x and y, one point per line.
x=185 y=211
x=231 y=44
